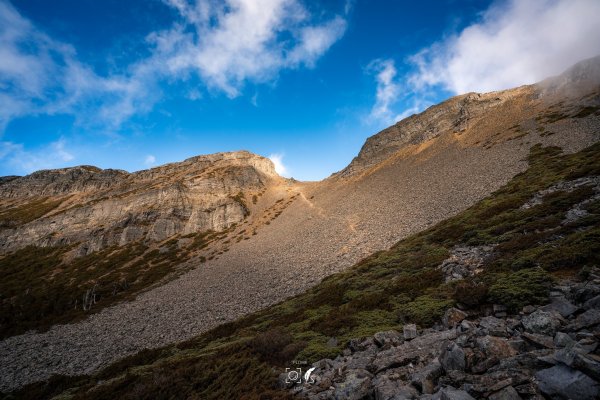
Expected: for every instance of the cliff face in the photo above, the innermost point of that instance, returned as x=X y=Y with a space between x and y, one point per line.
x=99 y=208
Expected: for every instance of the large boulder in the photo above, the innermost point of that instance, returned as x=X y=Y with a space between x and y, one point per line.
x=541 y=322
x=493 y=326
x=410 y=331
x=589 y=318
x=562 y=382
x=493 y=346
x=452 y=357
x=425 y=379
x=452 y=317
x=561 y=305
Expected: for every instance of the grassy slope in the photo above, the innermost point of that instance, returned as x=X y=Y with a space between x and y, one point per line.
x=242 y=359
x=41 y=286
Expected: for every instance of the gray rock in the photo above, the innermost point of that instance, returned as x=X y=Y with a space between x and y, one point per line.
x=562 y=339
x=450 y=393
x=563 y=382
x=410 y=331
x=594 y=302
x=392 y=337
x=389 y=389
x=588 y=345
x=494 y=326
x=497 y=347
x=561 y=305
x=541 y=322
x=539 y=340
x=452 y=317
x=355 y=386
x=425 y=380
x=589 y=318
x=577 y=360
x=452 y=357
x=508 y=393
x=528 y=309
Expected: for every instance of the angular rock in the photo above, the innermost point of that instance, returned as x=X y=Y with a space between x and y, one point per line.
x=494 y=326
x=560 y=305
x=452 y=357
x=508 y=393
x=562 y=339
x=576 y=360
x=355 y=386
x=410 y=331
x=563 y=382
x=422 y=347
x=541 y=322
x=539 y=340
x=452 y=317
x=450 y=393
x=425 y=379
x=388 y=389
x=589 y=318
x=496 y=347
x=528 y=309
x=588 y=345
x=392 y=338
x=594 y=302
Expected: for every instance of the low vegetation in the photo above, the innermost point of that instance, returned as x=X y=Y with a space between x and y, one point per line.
x=384 y=291
x=42 y=287
x=24 y=213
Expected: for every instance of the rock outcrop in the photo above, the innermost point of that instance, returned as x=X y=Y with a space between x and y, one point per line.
x=97 y=208
x=537 y=353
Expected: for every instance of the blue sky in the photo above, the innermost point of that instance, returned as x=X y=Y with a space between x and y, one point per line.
x=136 y=84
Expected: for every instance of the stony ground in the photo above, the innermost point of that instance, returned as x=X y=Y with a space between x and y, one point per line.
x=326 y=227
x=541 y=352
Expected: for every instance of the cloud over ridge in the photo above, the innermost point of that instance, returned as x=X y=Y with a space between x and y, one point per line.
x=514 y=43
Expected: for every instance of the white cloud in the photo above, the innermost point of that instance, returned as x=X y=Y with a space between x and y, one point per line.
x=150 y=160
x=53 y=155
x=226 y=44
x=388 y=90
x=514 y=43
x=243 y=40
x=277 y=159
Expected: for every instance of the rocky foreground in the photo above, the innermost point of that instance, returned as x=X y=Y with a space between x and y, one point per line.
x=542 y=352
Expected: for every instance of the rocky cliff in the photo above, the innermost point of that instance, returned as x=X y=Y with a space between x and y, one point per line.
x=97 y=208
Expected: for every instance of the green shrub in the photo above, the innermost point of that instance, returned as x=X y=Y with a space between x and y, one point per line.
x=424 y=310
x=518 y=289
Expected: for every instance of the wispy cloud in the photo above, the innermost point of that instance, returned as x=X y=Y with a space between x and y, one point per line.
x=225 y=44
x=150 y=160
x=40 y=75
x=514 y=43
x=387 y=91
x=277 y=159
x=53 y=155
x=243 y=40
